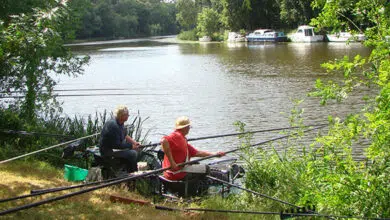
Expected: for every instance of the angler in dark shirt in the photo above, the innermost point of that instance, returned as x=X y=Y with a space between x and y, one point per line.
x=113 y=136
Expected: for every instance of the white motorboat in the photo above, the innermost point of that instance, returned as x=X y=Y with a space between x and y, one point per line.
x=345 y=36
x=266 y=35
x=235 y=37
x=306 y=34
x=205 y=39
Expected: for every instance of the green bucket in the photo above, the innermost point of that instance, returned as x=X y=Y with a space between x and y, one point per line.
x=73 y=173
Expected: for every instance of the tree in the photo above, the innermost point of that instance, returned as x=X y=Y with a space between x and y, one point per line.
x=349 y=18
x=264 y=14
x=186 y=14
x=31 y=50
x=295 y=12
x=236 y=13
x=208 y=22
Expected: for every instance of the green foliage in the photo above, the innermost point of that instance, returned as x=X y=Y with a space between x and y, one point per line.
x=124 y=19
x=296 y=12
x=327 y=177
x=188 y=35
x=236 y=14
x=32 y=49
x=186 y=14
x=10 y=7
x=208 y=22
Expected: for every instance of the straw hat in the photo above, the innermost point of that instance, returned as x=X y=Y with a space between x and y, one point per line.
x=182 y=122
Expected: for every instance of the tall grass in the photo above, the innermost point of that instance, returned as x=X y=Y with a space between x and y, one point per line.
x=64 y=127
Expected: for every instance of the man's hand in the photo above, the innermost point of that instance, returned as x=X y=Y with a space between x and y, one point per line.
x=220 y=154
x=174 y=166
x=136 y=145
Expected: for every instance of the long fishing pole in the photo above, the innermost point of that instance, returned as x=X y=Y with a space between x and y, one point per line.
x=253 y=192
x=257 y=193
x=282 y=214
x=57 y=189
x=239 y=133
x=52 y=190
x=31 y=133
x=48 y=148
x=31 y=205
x=214 y=210
x=71 y=90
x=82 y=95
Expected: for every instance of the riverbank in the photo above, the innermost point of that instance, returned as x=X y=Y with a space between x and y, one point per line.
x=172 y=39
x=19 y=178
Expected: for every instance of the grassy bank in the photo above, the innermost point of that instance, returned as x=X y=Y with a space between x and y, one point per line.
x=18 y=178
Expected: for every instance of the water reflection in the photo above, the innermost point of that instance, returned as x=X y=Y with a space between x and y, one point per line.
x=215 y=84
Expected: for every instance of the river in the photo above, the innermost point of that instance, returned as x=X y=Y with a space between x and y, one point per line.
x=215 y=84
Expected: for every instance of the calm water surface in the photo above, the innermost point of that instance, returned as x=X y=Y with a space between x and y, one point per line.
x=215 y=84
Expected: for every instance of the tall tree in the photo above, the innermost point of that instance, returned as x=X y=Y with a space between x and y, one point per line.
x=264 y=14
x=208 y=22
x=31 y=50
x=295 y=12
x=236 y=13
x=186 y=14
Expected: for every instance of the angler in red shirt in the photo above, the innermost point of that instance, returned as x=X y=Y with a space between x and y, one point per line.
x=177 y=150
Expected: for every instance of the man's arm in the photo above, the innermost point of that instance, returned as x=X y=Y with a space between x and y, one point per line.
x=134 y=143
x=206 y=154
x=167 y=150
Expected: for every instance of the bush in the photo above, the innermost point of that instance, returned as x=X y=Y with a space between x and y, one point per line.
x=217 y=36
x=188 y=35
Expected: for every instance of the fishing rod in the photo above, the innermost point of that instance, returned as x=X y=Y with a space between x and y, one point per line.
x=57 y=189
x=239 y=133
x=214 y=210
x=283 y=215
x=34 y=133
x=158 y=143
x=48 y=148
x=53 y=199
x=51 y=147
x=253 y=192
x=82 y=95
x=71 y=90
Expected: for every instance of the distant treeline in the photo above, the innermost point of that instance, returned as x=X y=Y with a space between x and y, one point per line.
x=111 y=19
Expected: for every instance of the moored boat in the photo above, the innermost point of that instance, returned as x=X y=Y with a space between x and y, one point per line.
x=205 y=39
x=345 y=36
x=266 y=35
x=306 y=34
x=235 y=37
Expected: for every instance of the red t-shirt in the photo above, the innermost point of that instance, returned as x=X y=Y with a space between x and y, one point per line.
x=178 y=145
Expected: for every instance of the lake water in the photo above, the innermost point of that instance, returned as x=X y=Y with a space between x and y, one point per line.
x=215 y=84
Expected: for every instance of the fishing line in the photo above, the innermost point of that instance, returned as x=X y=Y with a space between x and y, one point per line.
x=34 y=133
x=31 y=205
